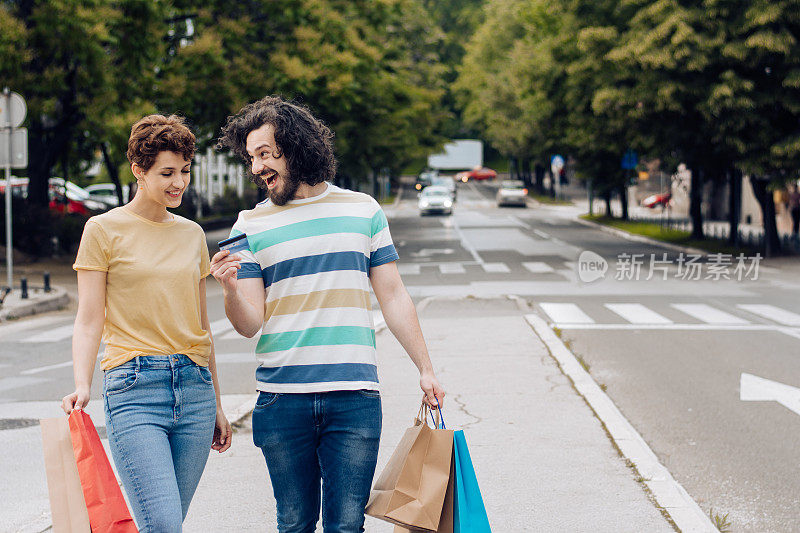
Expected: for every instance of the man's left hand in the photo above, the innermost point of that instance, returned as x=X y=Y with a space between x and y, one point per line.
x=434 y=393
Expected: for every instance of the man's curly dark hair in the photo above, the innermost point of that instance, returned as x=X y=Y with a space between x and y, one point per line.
x=306 y=142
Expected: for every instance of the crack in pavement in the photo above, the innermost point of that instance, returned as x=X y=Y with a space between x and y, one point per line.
x=463 y=408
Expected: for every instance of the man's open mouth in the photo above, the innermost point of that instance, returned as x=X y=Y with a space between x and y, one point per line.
x=271 y=179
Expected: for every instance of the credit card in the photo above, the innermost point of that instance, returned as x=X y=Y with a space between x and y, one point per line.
x=235 y=244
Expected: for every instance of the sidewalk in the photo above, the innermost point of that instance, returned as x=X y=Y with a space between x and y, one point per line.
x=542 y=458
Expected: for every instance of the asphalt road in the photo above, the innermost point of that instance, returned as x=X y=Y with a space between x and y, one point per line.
x=670 y=352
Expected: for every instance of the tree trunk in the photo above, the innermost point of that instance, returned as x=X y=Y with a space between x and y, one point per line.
x=696 y=203
x=622 y=191
x=772 y=243
x=734 y=205
x=539 y=172
x=113 y=172
x=607 y=200
x=526 y=172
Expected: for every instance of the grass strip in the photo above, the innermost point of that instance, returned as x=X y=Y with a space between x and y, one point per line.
x=672 y=236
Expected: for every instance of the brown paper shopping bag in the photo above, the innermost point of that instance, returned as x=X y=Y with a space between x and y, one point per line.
x=67 y=505
x=446 y=521
x=410 y=491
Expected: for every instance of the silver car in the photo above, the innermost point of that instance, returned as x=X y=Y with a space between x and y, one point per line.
x=512 y=192
x=435 y=199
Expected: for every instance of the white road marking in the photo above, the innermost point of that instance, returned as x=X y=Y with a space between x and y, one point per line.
x=218 y=327
x=451 y=268
x=28 y=323
x=408 y=269
x=232 y=335
x=668 y=493
x=708 y=314
x=46 y=368
x=17 y=382
x=541 y=234
x=755 y=389
x=52 y=335
x=537 y=267
x=638 y=314
x=688 y=327
x=566 y=313
x=770 y=312
x=496 y=268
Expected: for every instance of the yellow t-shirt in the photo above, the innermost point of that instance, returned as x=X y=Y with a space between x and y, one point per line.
x=152 y=286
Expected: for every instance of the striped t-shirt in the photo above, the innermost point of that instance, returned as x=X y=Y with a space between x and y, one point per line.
x=314 y=257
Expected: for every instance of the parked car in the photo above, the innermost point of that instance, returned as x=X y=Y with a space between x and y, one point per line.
x=107 y=193
x=477 y=173
x=425 y=179
x=435 y=199
x=448 y=183
x=655 y=200
x=512 y=192
x=65 y=197
x=19 y=187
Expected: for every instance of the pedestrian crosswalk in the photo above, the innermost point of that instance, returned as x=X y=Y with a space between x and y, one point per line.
x=524 y=269
x=591 y=315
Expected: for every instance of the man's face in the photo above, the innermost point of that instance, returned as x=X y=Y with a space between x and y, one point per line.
x=267 y=162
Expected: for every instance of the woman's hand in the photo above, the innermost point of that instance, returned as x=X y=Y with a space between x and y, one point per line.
x=77 y=400
x=222 y=433
x=224 y=268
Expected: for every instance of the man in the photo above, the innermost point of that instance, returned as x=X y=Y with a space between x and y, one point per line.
x=314 y=250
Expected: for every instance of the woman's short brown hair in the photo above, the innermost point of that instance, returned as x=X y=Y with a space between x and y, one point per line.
x=154 y=134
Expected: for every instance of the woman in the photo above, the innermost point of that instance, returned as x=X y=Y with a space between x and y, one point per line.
x=141 y=284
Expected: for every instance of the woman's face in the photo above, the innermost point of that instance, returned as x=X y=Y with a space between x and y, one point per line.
x=166 y=181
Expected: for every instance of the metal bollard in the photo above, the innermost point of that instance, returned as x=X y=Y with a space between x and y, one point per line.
x=23 y=287
x=47 y=282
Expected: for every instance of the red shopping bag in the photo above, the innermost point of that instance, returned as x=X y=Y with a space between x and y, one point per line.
x=108 y=512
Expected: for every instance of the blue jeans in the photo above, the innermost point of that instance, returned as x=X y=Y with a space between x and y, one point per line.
x=160 y=413
x=327 y=437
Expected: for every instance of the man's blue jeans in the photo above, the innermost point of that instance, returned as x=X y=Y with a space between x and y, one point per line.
x=160 y=413
x=327 y=437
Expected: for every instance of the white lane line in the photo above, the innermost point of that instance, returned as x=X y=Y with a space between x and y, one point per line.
x=668 y=493
x=52 y=335
x=465 y=243
x=638 y=314
x=28 y=323
x=541 y=234
x=566 y=313
x=496 y=268
x=408 y=269
x=45 y=368
x=687 y=327
x=770 y=312
x=451 y=268
x=218 y=327
x=377 y=319
x=537 y=267
x=708 y=314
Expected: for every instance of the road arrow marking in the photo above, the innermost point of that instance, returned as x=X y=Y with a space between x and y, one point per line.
x=755 y=389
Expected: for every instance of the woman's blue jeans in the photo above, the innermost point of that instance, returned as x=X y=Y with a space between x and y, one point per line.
x=160 y=413
x=329 y=438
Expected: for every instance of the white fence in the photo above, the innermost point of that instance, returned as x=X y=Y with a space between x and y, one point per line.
x=214 y=172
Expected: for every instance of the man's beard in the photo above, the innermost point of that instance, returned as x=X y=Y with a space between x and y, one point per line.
x=287 y=192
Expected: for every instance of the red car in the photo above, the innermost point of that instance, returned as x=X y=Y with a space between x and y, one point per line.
x=655 y=200
x=477 y=173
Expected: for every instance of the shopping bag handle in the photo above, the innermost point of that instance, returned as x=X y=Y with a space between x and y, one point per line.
x=439 y=415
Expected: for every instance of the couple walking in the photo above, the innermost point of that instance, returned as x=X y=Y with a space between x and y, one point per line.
x=313 y=252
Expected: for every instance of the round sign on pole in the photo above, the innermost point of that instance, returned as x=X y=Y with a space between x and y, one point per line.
x=12 y=110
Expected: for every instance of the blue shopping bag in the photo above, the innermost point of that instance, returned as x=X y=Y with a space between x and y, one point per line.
x=469 y=514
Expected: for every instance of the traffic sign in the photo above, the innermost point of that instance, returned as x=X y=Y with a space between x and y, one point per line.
x=556 y=164
x=19 y=148
x=630 y=160
x=12 y=110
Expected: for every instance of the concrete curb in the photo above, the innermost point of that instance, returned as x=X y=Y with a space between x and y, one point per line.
x=667 y=492
x=640 y=238
x=241 y=412
x=38 y=302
